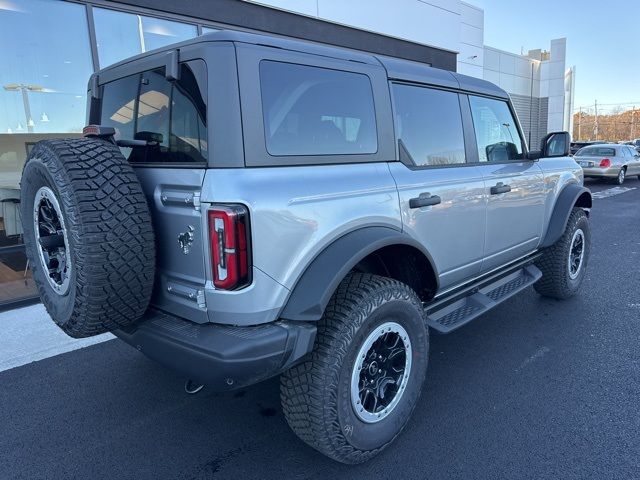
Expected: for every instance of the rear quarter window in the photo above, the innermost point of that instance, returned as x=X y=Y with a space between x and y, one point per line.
x=316 y=111
x=170 y=114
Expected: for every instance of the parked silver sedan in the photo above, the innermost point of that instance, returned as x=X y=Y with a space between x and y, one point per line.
x=606 y=160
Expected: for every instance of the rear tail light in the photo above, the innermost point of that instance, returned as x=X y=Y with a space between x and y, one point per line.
x=605 y=163
x=229 y=238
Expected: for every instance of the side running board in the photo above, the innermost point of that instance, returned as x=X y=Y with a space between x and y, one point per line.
x=445 y=316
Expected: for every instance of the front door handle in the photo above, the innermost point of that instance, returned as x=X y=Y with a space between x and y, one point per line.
x=424 y=200
x=500 y=188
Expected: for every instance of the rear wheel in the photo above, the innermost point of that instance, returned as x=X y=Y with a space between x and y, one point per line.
x=621 y=176
x=359 y=386
x=87 y=234
x=564 y=264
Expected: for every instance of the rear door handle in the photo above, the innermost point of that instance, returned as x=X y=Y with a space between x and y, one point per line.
x=500 y=188
x=424 y=200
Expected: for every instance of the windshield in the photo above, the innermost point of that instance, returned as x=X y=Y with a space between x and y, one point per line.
x=596 y=152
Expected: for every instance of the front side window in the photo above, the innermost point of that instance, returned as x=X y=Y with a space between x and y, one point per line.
x=429 y=124
x=171 y=116
x=316 y=111
x=497 y=134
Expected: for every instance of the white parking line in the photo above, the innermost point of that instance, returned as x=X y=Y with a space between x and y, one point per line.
x=610 y=192
x=28 y=335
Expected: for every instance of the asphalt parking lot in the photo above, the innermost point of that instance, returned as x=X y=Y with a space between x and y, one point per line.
x=534 y=389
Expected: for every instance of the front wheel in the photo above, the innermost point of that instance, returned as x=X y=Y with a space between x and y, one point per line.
x=358 y=388
x=564 y=264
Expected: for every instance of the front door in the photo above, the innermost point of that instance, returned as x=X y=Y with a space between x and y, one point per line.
x=442 y=198
x=514 y=185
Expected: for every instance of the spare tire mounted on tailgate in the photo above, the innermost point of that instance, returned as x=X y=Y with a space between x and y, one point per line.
x=88 y=235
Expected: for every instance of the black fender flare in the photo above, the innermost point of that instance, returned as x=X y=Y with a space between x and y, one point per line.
x=572 y=195
x=321 y=278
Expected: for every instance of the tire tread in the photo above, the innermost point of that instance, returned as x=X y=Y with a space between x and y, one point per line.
x=111 y=232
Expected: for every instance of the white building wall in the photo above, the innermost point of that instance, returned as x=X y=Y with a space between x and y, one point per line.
x=556 y=72
x=435 y=22
x=471 y=51
x=514 y=73
x=569 y=88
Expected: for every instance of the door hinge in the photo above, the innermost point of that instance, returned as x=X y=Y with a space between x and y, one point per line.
x=196 y=200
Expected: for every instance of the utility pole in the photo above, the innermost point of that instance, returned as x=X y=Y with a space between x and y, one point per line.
x=580 y=124
x=595 y=126
x=633 y=119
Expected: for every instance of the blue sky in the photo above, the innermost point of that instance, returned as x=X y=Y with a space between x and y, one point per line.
x=603 y=41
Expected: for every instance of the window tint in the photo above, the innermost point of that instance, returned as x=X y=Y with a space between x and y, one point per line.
x=316 y=111
x=118 y=103
x=171 y=115
x=596 y=152
x=153 y=108
x=496 y=131
x=429 y=124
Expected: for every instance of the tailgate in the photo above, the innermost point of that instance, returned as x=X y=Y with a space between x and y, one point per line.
x=180 y=231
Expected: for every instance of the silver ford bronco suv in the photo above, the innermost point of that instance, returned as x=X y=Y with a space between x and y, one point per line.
x=243 y=206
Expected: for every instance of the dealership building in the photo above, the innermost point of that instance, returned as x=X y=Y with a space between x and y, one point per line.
x=51 y=47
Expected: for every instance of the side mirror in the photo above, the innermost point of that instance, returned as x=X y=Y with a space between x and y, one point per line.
x=556 y=144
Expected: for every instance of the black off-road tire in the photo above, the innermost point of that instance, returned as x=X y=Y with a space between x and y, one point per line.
x=556 y=282
x=108 y=229
x=315 y=394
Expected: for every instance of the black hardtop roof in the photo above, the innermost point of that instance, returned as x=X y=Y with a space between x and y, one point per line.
x=397 y=69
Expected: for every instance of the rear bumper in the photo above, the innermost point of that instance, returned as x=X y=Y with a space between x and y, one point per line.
x=222 y=357
x=592 y=172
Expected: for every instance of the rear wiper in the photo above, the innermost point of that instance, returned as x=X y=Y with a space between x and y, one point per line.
x=136 y=143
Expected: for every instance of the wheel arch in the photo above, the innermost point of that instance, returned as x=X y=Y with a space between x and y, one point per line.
x=573 y=195
x=369 y=250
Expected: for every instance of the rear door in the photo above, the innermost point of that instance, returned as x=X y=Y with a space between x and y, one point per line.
x=170 y=117
x=514 y=186
x=634 y=161
x=442 y=197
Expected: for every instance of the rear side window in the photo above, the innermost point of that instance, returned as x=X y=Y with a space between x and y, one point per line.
x=497 y=134
x=171 y=115
x=429 y=124
x=316 y=111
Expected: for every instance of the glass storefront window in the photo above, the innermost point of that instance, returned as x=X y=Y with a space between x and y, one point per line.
x=46 y=63
x=120 y=35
